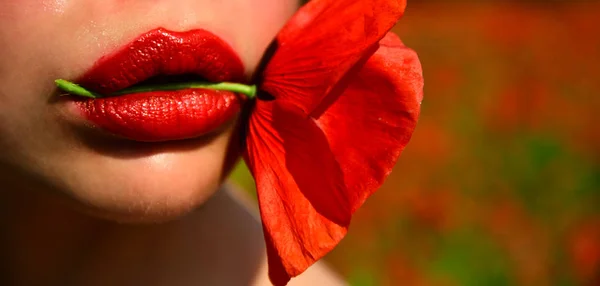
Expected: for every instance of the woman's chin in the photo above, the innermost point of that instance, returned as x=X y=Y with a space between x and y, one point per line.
x=152 y=200
x=151 y=187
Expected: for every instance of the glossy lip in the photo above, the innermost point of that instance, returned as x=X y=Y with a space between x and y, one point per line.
x=163 y=115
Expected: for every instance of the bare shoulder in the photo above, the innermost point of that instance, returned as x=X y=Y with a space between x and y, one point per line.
x=318 y=274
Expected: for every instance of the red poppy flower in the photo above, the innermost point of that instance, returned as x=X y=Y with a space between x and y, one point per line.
x=340 y=100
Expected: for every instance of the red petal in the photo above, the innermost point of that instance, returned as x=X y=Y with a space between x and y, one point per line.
x=313 y=172
x=302 y=199
x=321 y=42
x=369 y=124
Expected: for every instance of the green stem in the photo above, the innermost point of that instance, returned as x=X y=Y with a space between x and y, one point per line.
x=249 y=90
x=75 y=89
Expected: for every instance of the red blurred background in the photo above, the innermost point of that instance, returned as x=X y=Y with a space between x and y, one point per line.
x=500 y=184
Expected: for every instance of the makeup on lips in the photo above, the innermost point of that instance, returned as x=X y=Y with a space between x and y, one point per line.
x=340 y=106
x=163 y=86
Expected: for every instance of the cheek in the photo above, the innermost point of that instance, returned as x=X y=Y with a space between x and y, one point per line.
x=29 y=38
x=25 y=34
x=257 y=22
x=24 y=17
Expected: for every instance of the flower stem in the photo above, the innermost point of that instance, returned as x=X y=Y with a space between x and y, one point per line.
x=248 y=90
x=75 y=89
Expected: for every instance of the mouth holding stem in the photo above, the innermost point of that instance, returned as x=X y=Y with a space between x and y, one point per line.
x=75 y=89
x=162 y=86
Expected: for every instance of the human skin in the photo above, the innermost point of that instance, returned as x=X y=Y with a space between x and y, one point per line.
x=62 y=189
x=42 y=40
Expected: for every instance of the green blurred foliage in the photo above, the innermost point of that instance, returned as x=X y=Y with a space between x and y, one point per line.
x=500 y=184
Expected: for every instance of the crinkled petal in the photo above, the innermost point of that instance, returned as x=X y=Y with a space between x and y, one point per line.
x=313 y=171
x=301 y=194
x=368 y=125
x=321 y=43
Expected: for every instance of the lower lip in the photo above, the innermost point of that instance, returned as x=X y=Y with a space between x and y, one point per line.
x=162 y=115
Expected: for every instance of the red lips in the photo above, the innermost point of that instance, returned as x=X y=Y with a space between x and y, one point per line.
x=164 y=115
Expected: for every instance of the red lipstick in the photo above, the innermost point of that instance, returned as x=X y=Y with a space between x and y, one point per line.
x=163 y=115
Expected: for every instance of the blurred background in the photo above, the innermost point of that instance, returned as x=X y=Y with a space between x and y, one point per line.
x=500 y=184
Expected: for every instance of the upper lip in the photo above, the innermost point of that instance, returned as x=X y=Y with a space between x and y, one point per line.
x=163 y=115
x=163 y=52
